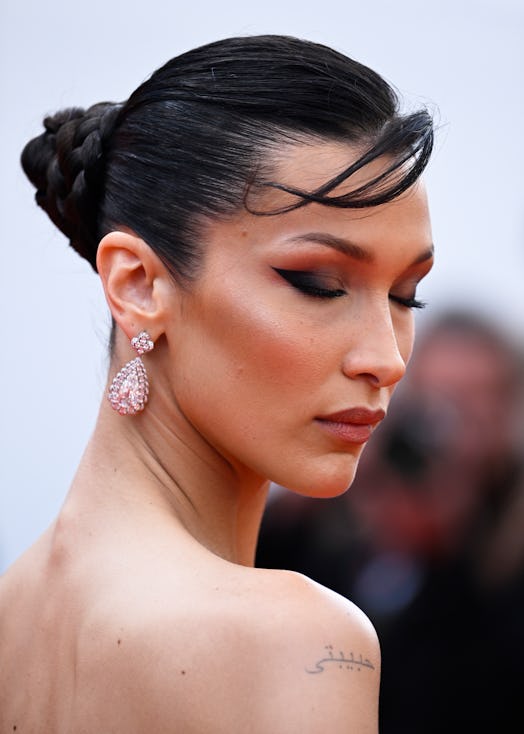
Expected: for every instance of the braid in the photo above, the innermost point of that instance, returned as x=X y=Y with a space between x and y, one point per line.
x=66 y=164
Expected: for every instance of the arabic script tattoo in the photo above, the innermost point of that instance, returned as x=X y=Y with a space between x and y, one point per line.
x=340 y=660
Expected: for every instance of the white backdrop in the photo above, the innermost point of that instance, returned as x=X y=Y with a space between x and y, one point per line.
x=464 y=58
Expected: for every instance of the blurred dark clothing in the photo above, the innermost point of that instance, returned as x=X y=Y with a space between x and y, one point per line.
x=452 y=641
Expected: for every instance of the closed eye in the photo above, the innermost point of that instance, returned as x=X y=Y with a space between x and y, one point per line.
x=411 y=302
x=312 y=284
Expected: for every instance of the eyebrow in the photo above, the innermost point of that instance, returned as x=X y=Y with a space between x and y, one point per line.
x=350 y=248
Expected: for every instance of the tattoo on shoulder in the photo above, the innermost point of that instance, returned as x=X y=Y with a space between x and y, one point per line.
x=340 y=660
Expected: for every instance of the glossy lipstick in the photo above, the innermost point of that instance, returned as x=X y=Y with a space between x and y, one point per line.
x=354 y=425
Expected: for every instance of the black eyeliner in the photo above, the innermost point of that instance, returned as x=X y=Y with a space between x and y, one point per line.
x=309 y=283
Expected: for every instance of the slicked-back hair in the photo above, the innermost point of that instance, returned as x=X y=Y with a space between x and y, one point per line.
x=193 y=140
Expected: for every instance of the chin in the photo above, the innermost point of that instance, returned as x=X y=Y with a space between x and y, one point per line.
x=325 y=482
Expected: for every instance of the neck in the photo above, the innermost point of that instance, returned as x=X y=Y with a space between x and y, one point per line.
x=167 y=472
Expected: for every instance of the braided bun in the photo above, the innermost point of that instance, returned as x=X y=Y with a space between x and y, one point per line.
x=66 y=164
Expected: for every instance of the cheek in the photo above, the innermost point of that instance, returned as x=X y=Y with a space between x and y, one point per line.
x=252 y=333
x=245 y=358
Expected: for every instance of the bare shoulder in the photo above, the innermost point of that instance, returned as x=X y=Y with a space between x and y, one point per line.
x=328 y=657
x=260 y=651
x=315 y=605
x=294 y=606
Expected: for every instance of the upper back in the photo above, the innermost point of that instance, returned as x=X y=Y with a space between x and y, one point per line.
x=186 y=645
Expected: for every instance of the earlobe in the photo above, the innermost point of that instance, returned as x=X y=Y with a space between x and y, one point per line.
x=130 y=273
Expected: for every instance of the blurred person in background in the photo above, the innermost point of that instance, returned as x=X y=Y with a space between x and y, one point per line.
x=430 y=539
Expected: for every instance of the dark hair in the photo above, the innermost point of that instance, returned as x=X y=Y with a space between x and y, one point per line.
x=193 y=140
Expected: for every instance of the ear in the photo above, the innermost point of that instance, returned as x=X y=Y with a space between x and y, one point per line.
x=135 y=281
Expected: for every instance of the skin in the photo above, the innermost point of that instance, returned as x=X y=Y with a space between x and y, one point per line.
x=144 y=610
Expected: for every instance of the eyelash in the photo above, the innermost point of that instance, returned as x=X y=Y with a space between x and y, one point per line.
x=309 y=284
x=306 y=283
x=408 y=302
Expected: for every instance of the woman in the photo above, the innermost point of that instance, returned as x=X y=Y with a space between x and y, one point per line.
x=255 y=213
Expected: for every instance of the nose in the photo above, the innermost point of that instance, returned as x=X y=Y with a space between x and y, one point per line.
x=380 y=348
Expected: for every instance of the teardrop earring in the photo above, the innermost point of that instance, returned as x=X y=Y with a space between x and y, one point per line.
x=129 y=390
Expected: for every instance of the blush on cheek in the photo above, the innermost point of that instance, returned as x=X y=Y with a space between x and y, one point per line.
x=243 y=374
x=257 y=341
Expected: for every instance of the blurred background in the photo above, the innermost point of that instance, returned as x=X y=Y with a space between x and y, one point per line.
x=429 y=539
x=464 y=59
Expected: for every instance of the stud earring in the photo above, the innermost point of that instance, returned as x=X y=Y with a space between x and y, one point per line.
x=129 y=390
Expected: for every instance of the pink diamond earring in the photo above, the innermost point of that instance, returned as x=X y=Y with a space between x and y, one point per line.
x=129 y=390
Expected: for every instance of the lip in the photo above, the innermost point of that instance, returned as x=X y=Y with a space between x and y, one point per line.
x=354 y=425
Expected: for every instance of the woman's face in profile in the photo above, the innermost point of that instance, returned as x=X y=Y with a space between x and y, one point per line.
x=299 y=327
